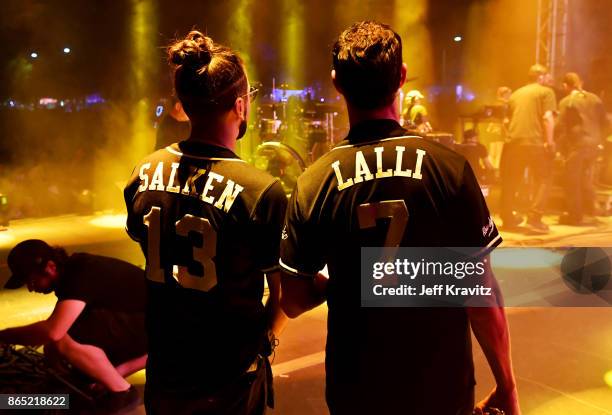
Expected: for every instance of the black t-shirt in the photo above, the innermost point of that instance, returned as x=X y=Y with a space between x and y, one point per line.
x=402 y=357
x=115 y=301
x=102 y=283
x=527 y=107
x=209 y=225
x=582 y=119
x=473 y=152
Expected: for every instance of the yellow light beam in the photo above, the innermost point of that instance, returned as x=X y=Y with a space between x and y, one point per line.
x=240 y=35
x=293 y=38
x=409 y=23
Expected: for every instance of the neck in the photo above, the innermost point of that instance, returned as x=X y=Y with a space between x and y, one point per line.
x=389 y=112
x=179 y=116
x=217 y=133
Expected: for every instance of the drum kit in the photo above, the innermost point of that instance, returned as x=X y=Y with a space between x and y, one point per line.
x=294 y=118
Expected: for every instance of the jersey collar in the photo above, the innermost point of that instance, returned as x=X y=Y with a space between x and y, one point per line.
x=370 y=130
x=201 y=149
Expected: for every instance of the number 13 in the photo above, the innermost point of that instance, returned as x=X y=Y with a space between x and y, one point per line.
x=203 y=255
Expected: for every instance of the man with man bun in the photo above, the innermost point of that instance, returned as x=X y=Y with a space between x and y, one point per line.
x=209 y=225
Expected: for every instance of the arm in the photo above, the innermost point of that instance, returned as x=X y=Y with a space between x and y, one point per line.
x=276 y=318
x=490 y=327
x=53 y=329
x=125 y=369
x=300 y=294
x=549 y=128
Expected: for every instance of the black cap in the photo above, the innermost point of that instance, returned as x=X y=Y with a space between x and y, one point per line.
x=26 y=257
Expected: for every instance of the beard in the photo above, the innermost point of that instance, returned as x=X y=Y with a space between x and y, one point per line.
x=242 y=129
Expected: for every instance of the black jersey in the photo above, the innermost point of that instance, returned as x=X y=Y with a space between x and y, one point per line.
x=209 y=225
x=412 y=358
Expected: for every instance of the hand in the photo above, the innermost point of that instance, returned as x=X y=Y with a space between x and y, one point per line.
x=507 y=401
x=551 y=147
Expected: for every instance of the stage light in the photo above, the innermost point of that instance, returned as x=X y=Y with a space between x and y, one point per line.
x=608 y=378
x=457 y=38
x=66 y=50
x=109 y=221
x=33 y=55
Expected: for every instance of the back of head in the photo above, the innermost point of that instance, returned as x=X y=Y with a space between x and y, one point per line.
x=470 y=135
x=537 y=71
x=367 y=58
x=572 y=80
x=208 y=77
x=26 y=257
x=503 y=93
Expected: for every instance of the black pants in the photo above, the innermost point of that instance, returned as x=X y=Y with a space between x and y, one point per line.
x=247 y=395
x=364 y=402
x=579 y=168
x=515 y=161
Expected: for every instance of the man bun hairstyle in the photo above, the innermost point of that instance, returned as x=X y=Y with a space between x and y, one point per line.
x=367 y=58
x=208 y=77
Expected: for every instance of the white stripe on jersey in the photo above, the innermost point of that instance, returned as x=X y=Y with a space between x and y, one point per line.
x=178 y=153
x=294 y=271
x=375 y=141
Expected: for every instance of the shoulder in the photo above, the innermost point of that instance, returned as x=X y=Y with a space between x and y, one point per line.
x=594 y=97
x=90 y=262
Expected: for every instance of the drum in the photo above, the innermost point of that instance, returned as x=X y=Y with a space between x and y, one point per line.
x=269 y=129
x=280 y=160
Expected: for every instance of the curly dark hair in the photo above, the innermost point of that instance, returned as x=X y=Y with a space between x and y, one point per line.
x=208 y=77
x=367 y=58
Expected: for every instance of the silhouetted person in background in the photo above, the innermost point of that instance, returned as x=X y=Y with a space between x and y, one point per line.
x=581 y=127
x=530 y=147
x=173 y=127
x=477 y=155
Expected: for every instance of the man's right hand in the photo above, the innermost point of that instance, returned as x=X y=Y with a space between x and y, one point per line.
x=507 y=401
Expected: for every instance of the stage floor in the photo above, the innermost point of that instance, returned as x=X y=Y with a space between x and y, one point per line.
x=562 y=356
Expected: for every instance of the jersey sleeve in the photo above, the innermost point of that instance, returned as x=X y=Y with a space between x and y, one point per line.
x=471 y=223
x=269 y=218
x=301 y=253
x=134 y=225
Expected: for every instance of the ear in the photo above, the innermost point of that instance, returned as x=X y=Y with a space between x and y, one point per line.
x=403 y=73
x=240 y=107
x=51 y=267
x=335 y=81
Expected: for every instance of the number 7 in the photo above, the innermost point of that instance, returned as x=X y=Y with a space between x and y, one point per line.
x=367 y=214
